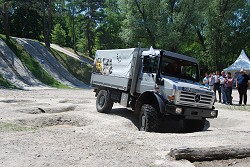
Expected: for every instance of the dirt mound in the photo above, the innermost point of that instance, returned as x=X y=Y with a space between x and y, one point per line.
x=53 y=120
x=14 y=71
x=76 y=101
x=16 y=101
x=51 y=110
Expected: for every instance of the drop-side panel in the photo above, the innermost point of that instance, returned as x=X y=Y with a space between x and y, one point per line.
x=110 y=81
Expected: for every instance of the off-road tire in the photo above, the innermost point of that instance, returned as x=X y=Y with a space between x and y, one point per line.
x=104 y=103
x=194 y=125
x=149 y=119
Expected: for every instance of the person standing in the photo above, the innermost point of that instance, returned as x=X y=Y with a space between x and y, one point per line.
x=229 y=88
x=217 y=85
x=211 y=81
x=242 y=85
x=222 y=84
x=205 y=80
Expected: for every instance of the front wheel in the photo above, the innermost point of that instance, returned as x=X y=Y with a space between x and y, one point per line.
x=194 y=125
x=104 y=103
x=149 y=119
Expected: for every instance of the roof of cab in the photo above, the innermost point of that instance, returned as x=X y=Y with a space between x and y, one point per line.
x=179 y=56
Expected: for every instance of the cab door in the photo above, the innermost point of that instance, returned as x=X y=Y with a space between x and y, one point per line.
x=146 y=79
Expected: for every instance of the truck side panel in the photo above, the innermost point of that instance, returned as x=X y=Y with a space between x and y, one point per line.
x=113 y=68
x=110 y=81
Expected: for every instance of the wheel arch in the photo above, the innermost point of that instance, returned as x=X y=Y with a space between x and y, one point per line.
x=150 y=97
x=99 y=88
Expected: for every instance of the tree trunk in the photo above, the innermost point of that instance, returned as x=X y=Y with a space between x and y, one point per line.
x=89 y=37
x=45 y=29
x=89 y=31
x=50 y=19
x=212 y=153
x=73 y=29
x=5 y=15
x=201 y=39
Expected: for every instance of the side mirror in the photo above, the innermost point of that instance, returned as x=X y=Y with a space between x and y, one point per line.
x=154 y=77
x=158 y=80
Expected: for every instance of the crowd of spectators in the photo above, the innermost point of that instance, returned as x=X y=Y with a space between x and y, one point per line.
x=222 y=85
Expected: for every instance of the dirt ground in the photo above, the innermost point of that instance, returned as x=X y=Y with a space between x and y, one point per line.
x=62 y=128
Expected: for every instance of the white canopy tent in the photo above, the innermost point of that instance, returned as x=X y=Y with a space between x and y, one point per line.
x=241 y=62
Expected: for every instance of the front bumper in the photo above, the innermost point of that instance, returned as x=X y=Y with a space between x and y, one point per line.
x=198 y=112
x=191 y=113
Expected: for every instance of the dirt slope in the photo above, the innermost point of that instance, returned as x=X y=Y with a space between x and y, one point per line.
x=13 y=70
x=50 y=64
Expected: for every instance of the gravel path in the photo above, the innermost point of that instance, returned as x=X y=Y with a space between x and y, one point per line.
x=62 y=128
x=82 y=59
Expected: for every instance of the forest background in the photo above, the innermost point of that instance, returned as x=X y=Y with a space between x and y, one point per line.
x=213 y=31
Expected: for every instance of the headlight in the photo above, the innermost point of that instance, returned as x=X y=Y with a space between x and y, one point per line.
x=178 y=110
x=213 y=113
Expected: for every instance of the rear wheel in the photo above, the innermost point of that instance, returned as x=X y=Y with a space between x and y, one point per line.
x=104 y=103
x=194 y=125
x=149 y=119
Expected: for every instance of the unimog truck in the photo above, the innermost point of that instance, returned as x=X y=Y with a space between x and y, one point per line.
x=154 y=84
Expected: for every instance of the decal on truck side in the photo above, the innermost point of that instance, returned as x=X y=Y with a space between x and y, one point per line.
x=103 y=66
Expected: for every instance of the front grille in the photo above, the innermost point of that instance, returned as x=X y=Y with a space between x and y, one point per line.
x=194 y=99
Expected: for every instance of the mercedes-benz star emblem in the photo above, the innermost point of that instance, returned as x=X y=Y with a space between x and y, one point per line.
x=197 y=98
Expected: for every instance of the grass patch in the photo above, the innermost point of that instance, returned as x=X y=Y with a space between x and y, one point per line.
x=81 y=71
x=34 y=66
x=5 y=83
x=15 y=127
x=232 y=107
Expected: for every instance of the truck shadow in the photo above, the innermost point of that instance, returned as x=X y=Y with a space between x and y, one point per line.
x=168 y=125
x=126 y=113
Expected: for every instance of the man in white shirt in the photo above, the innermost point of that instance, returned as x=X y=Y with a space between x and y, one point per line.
x=222 y=84
x=211 y=81
x=217 y=85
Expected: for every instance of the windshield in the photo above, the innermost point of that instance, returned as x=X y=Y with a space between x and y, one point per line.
x=179 y=68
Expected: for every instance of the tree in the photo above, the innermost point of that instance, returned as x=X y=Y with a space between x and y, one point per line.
x=107 y=33
x=208 y=30
x=223 y=19
x=26 y=22
x=7 y=7
x=177 y=24
x=93 y=15
x=73 y=8
x=64 y=14
x=163 y=24
x=139 y=24
x=46 y=6
x=59 y=35
x=4 y=9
